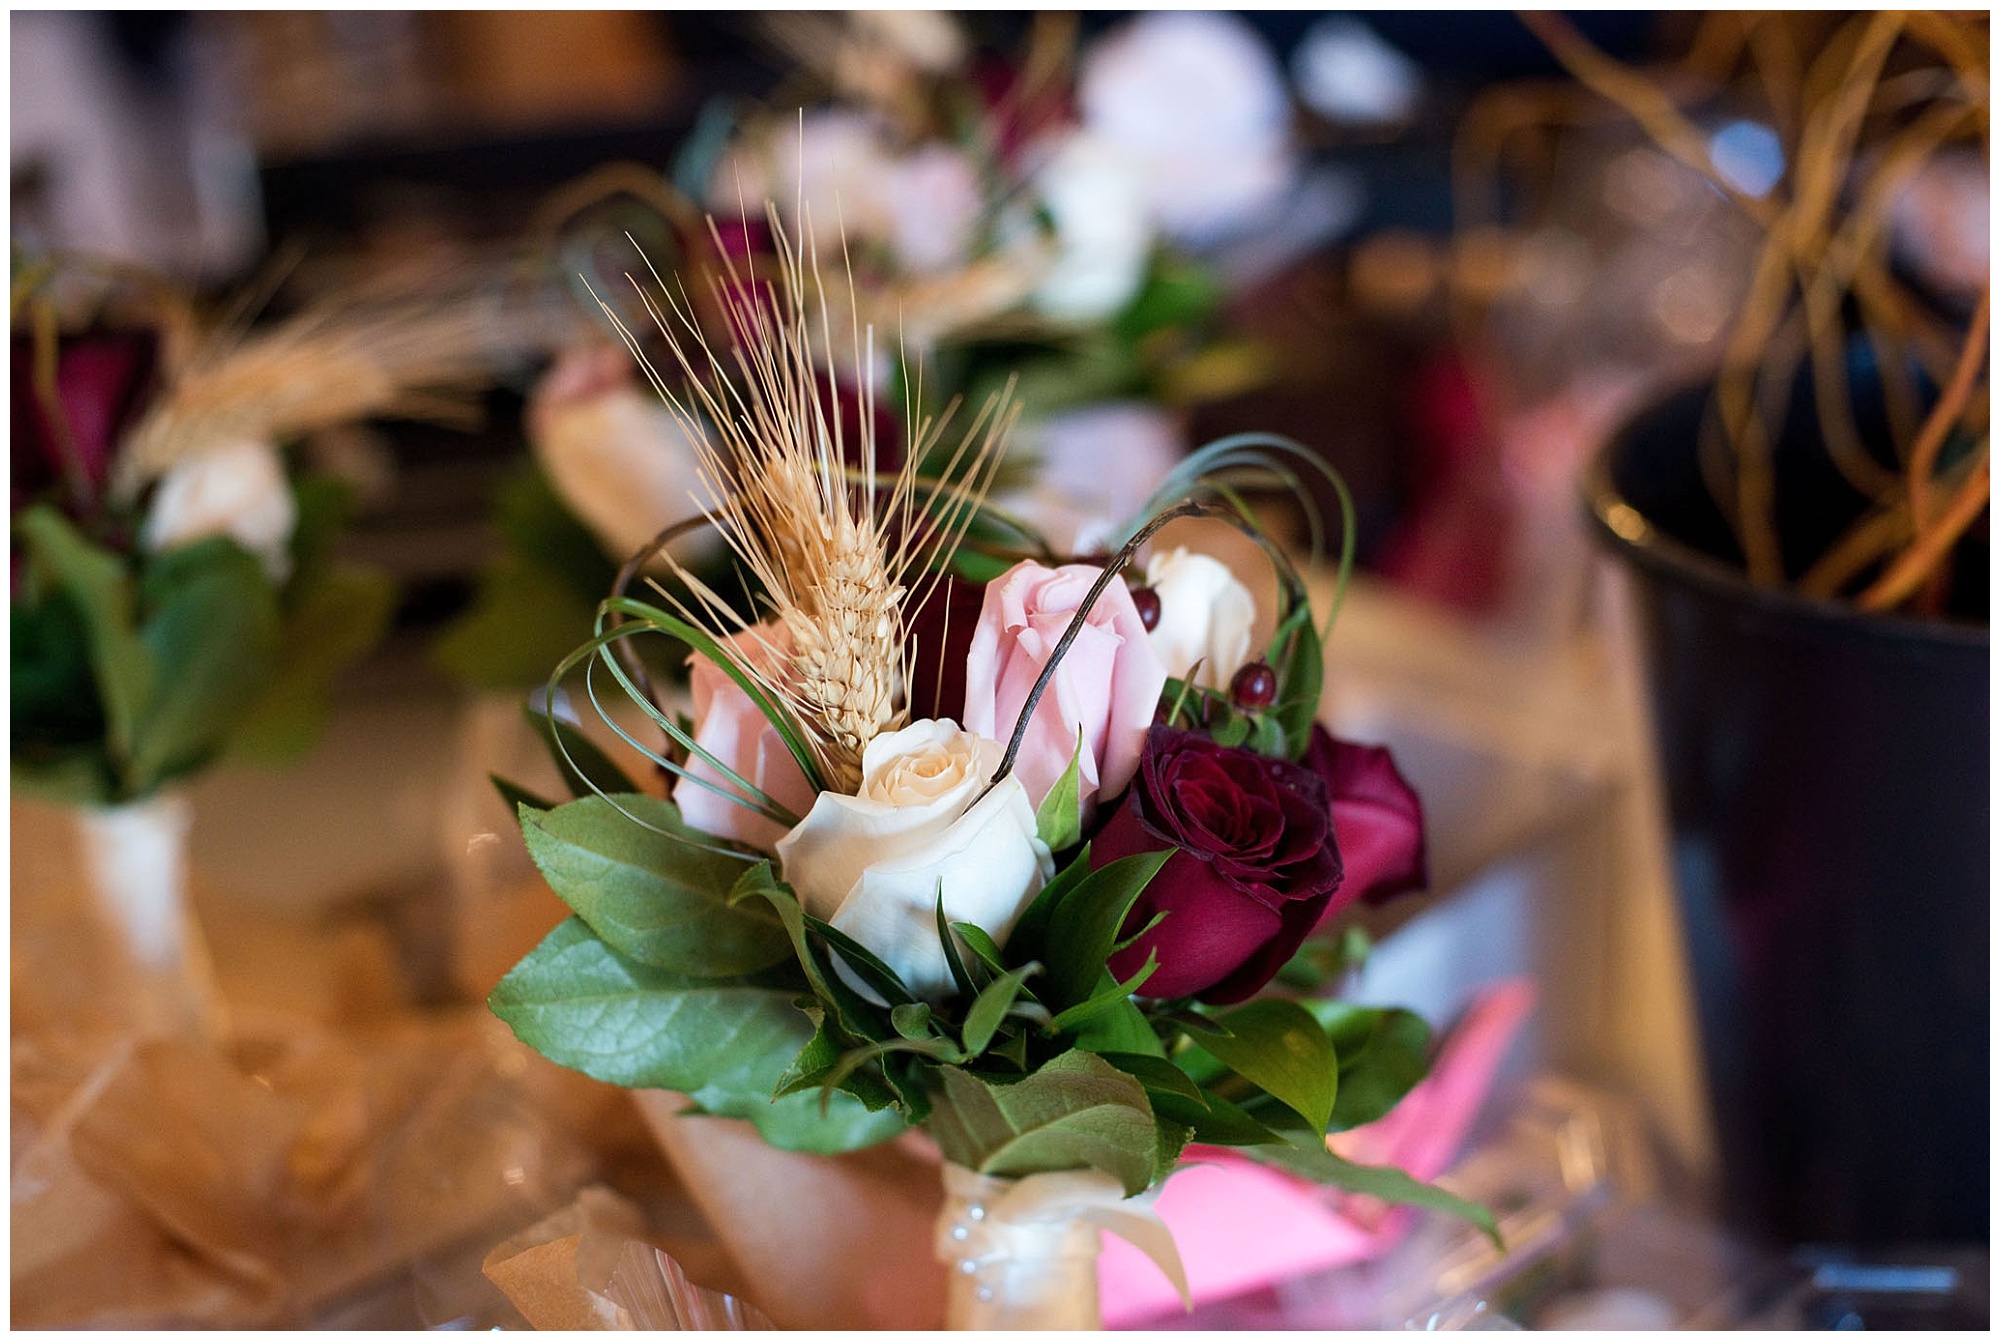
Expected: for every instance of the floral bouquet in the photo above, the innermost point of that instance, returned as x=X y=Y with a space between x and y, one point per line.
x=961 y=840
x=176 y=596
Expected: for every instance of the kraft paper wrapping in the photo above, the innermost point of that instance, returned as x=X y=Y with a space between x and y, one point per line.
x=810 y=1234
x=589 y=1268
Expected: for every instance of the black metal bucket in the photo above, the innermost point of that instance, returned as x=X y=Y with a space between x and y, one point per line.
x=1827 y=776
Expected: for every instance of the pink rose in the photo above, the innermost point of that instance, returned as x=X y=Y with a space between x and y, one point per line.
x=730 y=727
x=1107 y=686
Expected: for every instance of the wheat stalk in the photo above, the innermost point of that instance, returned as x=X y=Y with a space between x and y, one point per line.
x=844 y=559
x=329 y=365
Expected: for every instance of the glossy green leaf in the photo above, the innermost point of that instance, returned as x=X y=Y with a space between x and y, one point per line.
x=1083 y=927
x=981 y=945
x=1383 y=1054
x=1109 y=994
x=657 y=894
x=725 y=1044
x=983 y=1017
x=1214 y=1120
x=1307 y=1157
x=1059 y=819
x=1119 y=1027
x=1156 y=1073
x=1075 y=1112
x=1278 y=1046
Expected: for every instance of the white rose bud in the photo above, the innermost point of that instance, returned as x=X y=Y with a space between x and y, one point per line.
x=872 y=864
x=617 y=457
x=239 y=490
x=1205 y=616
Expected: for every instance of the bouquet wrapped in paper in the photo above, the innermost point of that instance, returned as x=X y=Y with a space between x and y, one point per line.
x=967 y=836
x=176 y=596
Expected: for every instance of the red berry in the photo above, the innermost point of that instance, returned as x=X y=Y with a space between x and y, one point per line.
x=1255 y=686
x=1147 y=602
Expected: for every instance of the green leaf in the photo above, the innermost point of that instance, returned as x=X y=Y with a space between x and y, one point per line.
x=982 y=1020
x=981 y=945
x=1232 y=730
x=1075 y=1112
x=1059 y=819
x=1119 y=1027
x=1214 y=1120
x=1156 y=1074
x=961 y=976
x=1031 y=928
x=586 y=770
x=1108 y=995
x=1383 y=1054
x=658 y=895
x=725 y=1044
x=1308 y=1157
x=853 y=1016
x=517 y=796
x=211 y=632
x=912 y=1020
x=1278 y=1046
x=1083 y=927
x=1301 y=673
x=322 y=505
x=332 y=624
x=862 y=962
x=96 y=582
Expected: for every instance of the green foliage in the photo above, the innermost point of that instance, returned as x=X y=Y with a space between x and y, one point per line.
x=1308 y=1157
x=1059 y=819
x=134 y=670
x=651 y=888
x=724 y=1042
x=1383 y=1053
x=341 y=616
x=1075 y=1112
x=1084 y=925
x=1279 y=1047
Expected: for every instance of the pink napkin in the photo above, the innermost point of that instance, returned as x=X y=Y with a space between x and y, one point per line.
x=1240 y=1225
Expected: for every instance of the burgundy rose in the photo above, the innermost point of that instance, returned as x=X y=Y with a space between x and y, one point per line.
x=1256 y=868
x=942 y=633
x=102 y=383
x=1376 y=816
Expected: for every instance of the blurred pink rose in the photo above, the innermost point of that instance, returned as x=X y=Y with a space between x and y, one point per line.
x=730 y=727
x=1108 y=684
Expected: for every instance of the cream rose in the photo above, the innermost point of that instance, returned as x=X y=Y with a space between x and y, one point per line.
x=239 y=490
x=873 y=864
x=1205 y=616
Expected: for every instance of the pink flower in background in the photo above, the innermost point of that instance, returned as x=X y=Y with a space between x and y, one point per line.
x=1107 y=686
x=732 y=728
